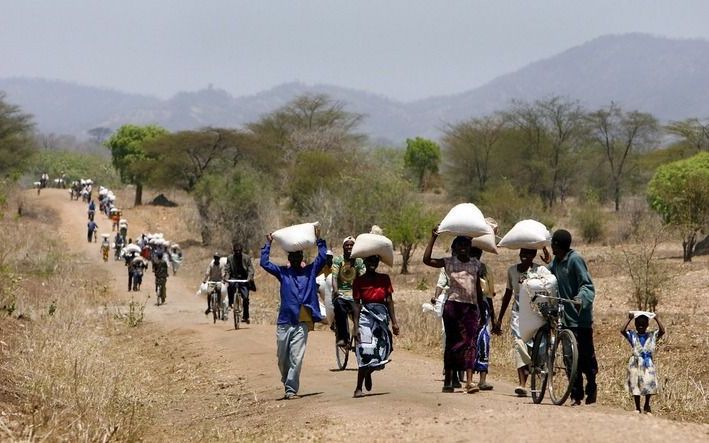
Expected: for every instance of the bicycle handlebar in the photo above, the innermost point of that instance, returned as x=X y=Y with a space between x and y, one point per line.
x=236 y=281
x=549 y=297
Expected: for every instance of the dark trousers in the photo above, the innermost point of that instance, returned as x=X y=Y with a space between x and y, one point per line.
x=130 y=281
x=243 y=289
x=588 y=365
x=343 y=309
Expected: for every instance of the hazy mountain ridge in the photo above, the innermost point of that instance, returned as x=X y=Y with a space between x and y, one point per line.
x=669 y=78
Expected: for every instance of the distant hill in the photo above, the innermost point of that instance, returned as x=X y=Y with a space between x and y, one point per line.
x=666 y=77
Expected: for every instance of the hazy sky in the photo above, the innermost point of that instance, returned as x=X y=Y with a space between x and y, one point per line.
x=404 y=49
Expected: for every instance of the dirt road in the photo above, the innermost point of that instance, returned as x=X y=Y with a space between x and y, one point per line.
x=406 y=402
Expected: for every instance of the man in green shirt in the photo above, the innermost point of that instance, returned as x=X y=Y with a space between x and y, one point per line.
x=575 y=284
x=344 y=270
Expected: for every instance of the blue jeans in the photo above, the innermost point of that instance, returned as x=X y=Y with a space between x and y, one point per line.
x=291 y=341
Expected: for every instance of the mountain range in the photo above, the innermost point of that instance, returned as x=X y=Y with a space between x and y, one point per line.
x=666 y=77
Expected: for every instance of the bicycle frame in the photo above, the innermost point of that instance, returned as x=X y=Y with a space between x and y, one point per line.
x=545 y=367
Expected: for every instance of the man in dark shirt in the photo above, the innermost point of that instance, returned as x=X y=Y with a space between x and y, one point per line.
x=575 y=283
x=240 y=267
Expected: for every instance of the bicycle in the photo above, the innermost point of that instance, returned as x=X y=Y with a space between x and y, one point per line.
x=342 y=353
x=237 y=301
x=216 y=304
x=553 y=366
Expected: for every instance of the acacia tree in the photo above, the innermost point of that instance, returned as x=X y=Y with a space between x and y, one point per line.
x=679 y=192
x=620 y=135
x=421 y=159
x=693 y=131
x=182 y=160
x=127 y=154
x=408 y=228
x=552 y=133
x=16 y=142
x=469 y=147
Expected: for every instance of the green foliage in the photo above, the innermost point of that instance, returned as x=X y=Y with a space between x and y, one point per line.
x=135 y=314
x=589 y=219
x=469 y=148
x=16 y=142
x=308 y=122
x=126 y=146
x=408 y=228
x=550 y=133
x=679 y=192
x=234 y=206
x=693 y=132
x=421 y=158
x=508 y=204
x=75 y=165
x=127 y=153
x=620 y=135
x=313 y=172
x=179 y=160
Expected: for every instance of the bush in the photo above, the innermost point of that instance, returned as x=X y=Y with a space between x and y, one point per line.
x=508 y=205
x=589 y=219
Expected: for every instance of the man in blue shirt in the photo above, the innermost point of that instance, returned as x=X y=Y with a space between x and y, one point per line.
x=299 y=309
x=575 y=284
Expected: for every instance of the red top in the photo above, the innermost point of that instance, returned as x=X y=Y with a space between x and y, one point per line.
x=372 y=290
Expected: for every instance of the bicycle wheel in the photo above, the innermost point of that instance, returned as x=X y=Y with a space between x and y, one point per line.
x=342 y=353
x=540 y=361
x=214 y=303
x=563 y=363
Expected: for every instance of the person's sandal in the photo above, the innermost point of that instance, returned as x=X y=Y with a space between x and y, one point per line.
x=520 y=391
x=485 y=387
x=472 y=389
x=447 y=389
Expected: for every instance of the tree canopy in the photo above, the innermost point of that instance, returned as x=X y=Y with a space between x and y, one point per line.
x=421 y=158
x=126 y=145
x=16 y=139
x=679 y=192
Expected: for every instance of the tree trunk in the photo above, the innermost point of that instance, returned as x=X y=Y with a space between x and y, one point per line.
x=138 y=195
x=205 y=231
x=405 y=250
x=688 y=247
x=617 y=198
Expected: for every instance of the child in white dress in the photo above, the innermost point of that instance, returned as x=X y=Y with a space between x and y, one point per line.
x=642 y=379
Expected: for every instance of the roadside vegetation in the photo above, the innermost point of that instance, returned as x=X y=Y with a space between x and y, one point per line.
x=600 y=173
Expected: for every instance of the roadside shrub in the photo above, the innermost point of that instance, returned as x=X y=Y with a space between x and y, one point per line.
x=589 y=219
x=508 y=205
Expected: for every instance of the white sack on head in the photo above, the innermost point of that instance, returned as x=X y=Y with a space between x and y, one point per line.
x=526 y=234
x=297 y=237
x=464 y=219
x=486 y=242
x=374 y=244
x=132 y=248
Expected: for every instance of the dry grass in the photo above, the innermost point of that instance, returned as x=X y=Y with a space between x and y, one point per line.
x=683 y=376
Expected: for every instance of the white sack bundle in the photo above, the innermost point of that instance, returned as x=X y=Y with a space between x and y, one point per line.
x=541 y=282
x=132 y=248
x=464 y=219
x=297 y=237
x=203 y=290
x=636 y=314
x=526 y=234
x=486 y=242
x=374 y=244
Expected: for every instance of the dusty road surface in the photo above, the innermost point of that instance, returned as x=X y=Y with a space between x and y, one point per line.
x=405 y=404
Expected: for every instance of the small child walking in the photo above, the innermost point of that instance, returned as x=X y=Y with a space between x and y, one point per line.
x=642 y=379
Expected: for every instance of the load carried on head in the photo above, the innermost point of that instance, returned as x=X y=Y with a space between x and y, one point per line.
x=367 y=245
x=297 y=237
